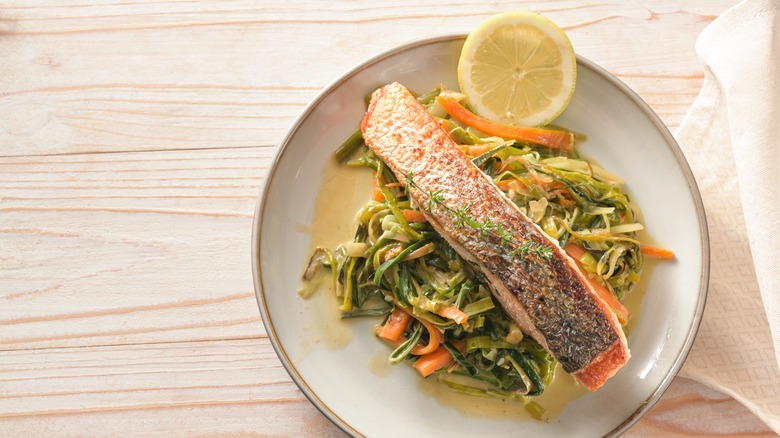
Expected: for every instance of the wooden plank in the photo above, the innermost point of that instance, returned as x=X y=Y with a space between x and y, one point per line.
x=237 y=388
x=221 y=388
x=128 y=247
x=236 y=74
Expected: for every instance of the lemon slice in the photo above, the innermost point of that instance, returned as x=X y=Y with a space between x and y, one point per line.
x=518 y=67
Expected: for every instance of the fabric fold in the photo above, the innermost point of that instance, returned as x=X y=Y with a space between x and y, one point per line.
x=731 y=137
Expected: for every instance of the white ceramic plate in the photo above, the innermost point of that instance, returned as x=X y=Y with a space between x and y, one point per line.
x=345 y=383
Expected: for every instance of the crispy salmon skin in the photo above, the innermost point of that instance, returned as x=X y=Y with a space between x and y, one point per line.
x=545 y=294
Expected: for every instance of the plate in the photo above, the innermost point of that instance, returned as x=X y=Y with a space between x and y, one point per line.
x=338 y=365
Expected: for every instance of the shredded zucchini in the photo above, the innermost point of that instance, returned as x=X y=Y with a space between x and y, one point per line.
x=395 y=262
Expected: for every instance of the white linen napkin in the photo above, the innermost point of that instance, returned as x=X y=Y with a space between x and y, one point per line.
x=731 y=137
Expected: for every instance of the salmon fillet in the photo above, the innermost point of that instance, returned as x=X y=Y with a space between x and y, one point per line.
x=548 y=298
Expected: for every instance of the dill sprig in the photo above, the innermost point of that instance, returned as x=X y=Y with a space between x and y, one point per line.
x=485 y=227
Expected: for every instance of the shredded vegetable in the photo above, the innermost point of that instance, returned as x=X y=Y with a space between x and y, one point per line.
x=439 y=313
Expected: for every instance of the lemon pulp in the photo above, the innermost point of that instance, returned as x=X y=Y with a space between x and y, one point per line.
x=518 y=67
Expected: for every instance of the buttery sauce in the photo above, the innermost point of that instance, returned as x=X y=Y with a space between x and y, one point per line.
x=344 y=191
x=554 y=400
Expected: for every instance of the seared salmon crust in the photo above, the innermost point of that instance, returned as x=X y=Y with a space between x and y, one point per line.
x=548 y=298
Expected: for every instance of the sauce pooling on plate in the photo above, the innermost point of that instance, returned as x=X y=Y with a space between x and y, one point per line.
x=333 y=223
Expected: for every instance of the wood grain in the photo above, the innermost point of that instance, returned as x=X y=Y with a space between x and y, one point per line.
x=83 y=268
x=134 y=137
x=237 y=388
x=180 y=389
x=235 y=74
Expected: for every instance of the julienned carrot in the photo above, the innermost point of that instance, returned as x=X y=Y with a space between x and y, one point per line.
x=551 y=138
x=434 y=340
x=620 y=310
x=477 y=150
x=657 y=252
x=505 y=184
x=414 y=216
x=434 y=336
x=436 y=360
x=395 y=325
x=378 y=196
x=453 y=313
x=576 y=252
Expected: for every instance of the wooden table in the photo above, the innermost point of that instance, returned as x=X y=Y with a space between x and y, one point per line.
x=134 y=137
